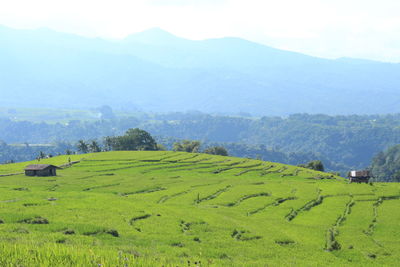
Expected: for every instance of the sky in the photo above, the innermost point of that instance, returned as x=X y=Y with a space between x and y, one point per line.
x=367 y=29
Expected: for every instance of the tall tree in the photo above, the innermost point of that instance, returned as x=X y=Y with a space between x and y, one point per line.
x=42 y=155
x=108 y=143
x=134 y=139
x=82 y=146
x=94 y=146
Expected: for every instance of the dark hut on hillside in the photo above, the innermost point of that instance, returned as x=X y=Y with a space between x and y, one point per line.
x=41 y=170
x=359 y=176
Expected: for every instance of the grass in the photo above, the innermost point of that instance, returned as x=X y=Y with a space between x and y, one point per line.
x=181 y=209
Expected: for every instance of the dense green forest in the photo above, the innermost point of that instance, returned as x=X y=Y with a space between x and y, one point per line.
x=386 y=165
x=341 y=142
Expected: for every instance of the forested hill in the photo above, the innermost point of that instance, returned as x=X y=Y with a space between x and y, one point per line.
x=342 y=142
x=157 y=71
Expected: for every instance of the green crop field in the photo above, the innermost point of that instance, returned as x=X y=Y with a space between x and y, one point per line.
x=183 y=209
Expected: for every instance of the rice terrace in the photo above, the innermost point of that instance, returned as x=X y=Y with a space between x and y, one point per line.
x=191 y=209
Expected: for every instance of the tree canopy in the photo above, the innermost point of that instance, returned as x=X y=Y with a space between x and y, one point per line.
x=134 y=139
x=187 y=146
x=386 y=165
x=216 y=150
x=316 y=165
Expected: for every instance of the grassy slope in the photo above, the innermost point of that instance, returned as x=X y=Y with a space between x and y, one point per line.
x=170 y=208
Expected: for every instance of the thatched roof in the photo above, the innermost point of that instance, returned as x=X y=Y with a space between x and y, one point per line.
x=39 y=167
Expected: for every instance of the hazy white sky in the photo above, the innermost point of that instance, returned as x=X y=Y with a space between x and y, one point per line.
x=326 y=28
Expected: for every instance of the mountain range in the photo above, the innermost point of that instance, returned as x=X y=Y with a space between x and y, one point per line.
x=157 y=71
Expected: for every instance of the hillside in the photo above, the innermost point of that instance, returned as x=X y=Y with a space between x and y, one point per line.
x=181 y=209
x=157 y=71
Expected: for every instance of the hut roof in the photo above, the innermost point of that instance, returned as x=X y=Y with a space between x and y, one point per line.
x=363 y=173
x=39 y=167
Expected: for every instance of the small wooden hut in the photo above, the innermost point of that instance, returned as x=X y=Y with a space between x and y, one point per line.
x=41 y=170
x=359 y=176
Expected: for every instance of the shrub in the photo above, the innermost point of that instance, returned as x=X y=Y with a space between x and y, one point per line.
x=216 y=150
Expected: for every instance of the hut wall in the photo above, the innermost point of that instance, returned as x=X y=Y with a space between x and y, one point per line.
x=47 y=172
x=359 y=179
x=30 y=173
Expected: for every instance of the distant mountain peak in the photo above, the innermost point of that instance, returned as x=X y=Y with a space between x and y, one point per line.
x=155 y=36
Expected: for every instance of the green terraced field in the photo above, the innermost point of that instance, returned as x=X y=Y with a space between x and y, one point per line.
x=182 y=209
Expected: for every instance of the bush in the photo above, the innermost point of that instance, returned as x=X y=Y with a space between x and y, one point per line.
x=187 y=146
x=314 y=165
x=216 y=150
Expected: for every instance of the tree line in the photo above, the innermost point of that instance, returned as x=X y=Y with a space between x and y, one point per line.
x=138 y=139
